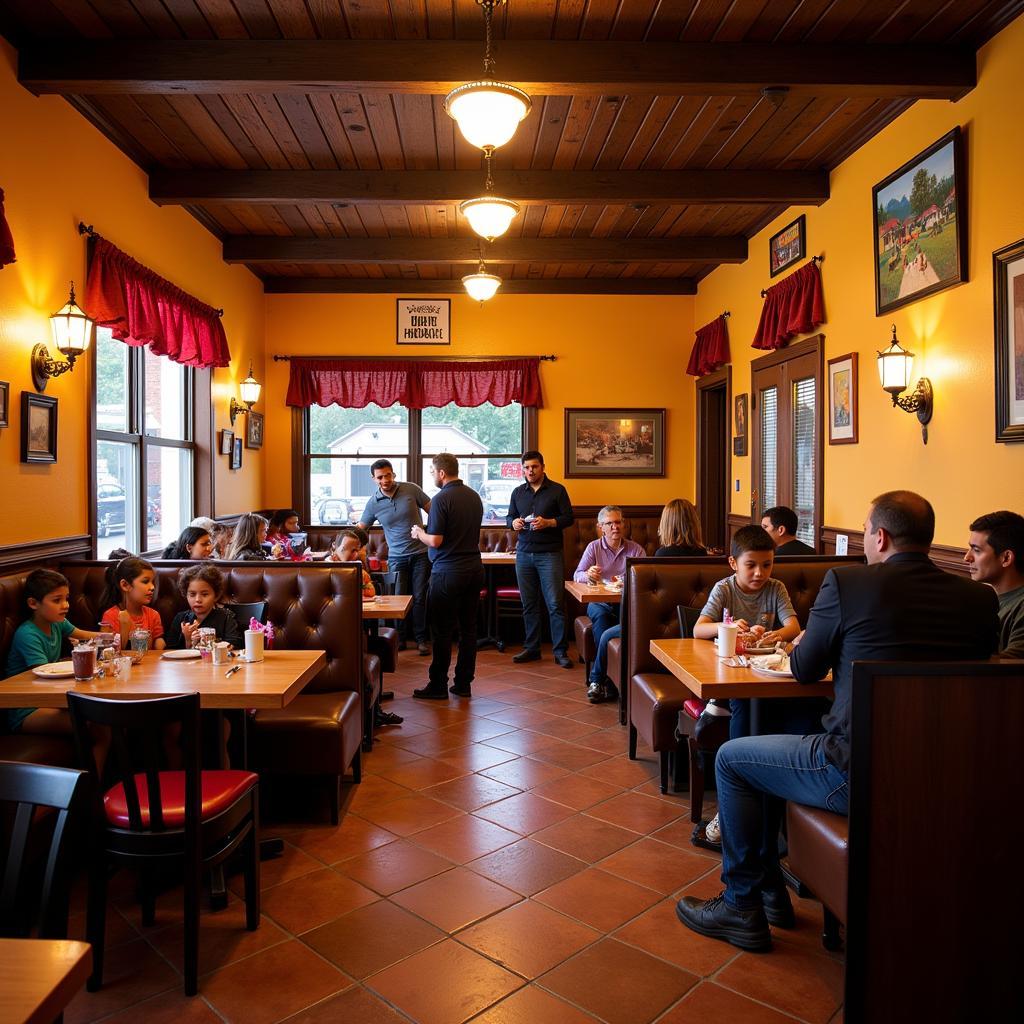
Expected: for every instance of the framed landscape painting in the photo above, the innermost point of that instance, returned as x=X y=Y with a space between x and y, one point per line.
x=614 y=442
x=920 y=226
x=38 y=428
x=1008 y=273
x=842 y=399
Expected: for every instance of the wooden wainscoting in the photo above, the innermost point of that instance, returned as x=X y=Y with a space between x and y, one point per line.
x=32 y=554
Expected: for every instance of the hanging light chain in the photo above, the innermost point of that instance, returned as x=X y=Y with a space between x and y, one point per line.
x=488 y=7
x=488 y=153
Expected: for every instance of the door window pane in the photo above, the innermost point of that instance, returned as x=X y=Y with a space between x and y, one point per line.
x=111 y=382
x=373 y=431
x=487 y=429
x=804 y=418
x=165 y=407
x=769 y=404
x=339 y=487
x=168 y=494
x=117 y=488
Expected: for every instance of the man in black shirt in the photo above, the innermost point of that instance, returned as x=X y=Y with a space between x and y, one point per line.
x=782 y=523
x=452 y=535
x=539 y=510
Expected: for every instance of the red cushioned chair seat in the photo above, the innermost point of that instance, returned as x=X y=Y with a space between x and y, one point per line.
x=220 y=789
x=508 y=593
x=694 y=708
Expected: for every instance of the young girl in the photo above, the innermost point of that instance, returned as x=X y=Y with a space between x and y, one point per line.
x=283 y=524
x=131 y=587
x=346 y=549
x=250 y=533
x=194 y=543
x=202 y=586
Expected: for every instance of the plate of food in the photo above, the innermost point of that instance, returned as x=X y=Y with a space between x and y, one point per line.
x=54 y=670
x=188 y=654
x=775 y=666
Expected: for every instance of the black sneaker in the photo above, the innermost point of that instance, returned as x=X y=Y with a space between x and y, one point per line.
x=747 y=929
x=611 y=692
x=778 y=907
x=387 y=718
x=562 y=661
x=461 y=691
x=595 y=693
x=526 y=655
x=430 y=693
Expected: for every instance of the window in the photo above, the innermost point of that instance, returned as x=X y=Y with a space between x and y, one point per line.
x=145 y=449
x=342 y=444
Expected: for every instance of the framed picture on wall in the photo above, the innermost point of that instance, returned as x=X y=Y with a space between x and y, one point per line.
x=741 y=410
x=842 y=399
x=788 y=246
x=236 y=454
x=920 y=226
x=227 y=442
x=423 y=321
x=38 y=427
x=254 y=430
x=614 y=442
x=5 y=403
x=1008 y=274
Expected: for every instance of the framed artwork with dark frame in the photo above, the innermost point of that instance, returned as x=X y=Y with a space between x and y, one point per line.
x=1008 y=274
x=741 y=418
x=254 y=430
x=236 y=454
x=227 y=442
x=842 y=399
x=614 y=442
x=5 y=404
x=787 y=246
x=38 y=427
x=920 y=222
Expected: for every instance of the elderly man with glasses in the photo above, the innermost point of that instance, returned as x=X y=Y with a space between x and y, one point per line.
x=604 y=559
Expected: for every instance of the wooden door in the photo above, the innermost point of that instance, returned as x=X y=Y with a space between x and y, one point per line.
x=713 y=456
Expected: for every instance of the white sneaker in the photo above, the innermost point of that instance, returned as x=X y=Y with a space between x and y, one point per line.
x=712 y=831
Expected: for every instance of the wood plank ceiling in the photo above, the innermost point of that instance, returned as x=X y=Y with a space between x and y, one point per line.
x=310 y=134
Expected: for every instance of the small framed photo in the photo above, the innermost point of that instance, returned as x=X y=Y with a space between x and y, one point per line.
x=38 y=427
x=787 y=246
x=614 y=442
x=423 y=321
x=842 y=399
x=254 y=430
x=227 y=442
x=5 y=403
x=236 y=454
x=740 y=415
x=1008 y=273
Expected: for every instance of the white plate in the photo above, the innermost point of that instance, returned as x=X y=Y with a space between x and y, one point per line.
x=184 y=655
x=772 y=673
x=55 y=670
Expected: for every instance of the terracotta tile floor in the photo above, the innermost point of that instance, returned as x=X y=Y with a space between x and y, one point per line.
x=503 y=862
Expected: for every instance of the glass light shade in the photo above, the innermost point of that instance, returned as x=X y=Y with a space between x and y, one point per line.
x=250 y=389
x=488 y=215
x=487 y=112
x=71 y=328
x=895 y=366
x=481 y=285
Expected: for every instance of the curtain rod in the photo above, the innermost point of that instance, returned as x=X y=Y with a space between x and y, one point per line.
x=814 y=259
x=88 y=229
x=426 y=359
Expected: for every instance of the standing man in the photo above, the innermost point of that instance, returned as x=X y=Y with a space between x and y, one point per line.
x=457 y=576
x=782 y=523
x=898 y=607
x=604 y=559
x=396 y=506
x=539 y=510
x=995 y=555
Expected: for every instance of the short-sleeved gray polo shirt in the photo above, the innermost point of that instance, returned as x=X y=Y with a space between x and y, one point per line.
x=397 y=514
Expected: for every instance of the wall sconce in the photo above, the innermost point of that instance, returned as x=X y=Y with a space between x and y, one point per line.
x=72 y=332
x=894 y=369
x=250 y=391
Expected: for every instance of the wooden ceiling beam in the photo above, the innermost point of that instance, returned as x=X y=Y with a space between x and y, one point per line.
x=514 y=286
x=176 y=187
x=543 y=68
x=274 y=249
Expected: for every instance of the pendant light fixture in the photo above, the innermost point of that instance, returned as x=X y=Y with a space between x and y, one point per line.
x=487 y=111
x=488 y=215
x=481 y=285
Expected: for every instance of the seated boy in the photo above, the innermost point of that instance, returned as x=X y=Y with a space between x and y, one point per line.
x=347 y=548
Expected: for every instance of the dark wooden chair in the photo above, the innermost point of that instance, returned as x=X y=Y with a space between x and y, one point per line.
x=151 y=816
x=245 y=613
x=27 y=791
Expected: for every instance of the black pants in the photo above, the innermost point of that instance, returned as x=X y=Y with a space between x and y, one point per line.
x=413 y=578
x=454 y=597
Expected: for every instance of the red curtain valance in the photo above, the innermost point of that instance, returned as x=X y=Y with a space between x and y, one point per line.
x=142 y=308
x=791 y=307
x=6 y=238
x=711 y=349
x=414 y=383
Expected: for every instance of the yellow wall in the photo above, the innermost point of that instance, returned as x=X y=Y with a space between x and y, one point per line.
x=612 y=351
x=961 y=470
x=56 y=170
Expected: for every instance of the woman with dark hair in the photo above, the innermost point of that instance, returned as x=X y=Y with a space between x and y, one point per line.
x=283 y=523
x=194 y=544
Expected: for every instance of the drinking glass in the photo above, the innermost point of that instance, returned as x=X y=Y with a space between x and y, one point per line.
x=139 y=640
x=83 y=661
x=122 y=667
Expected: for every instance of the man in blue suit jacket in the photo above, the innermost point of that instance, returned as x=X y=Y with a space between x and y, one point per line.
x=898 y=607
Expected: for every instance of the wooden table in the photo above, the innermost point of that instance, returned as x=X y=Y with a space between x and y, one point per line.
x=587 y=592
x=39 y=977
x=271 y=683
x=387 y=606
x=491 y=561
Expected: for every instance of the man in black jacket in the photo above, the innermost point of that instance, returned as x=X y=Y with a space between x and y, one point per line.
x=898 y=607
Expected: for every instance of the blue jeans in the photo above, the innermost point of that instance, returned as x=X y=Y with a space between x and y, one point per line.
x=603 y=616
x=542 y=574
x=413 y=578
x=599 y=670
x=755 y=777
x=795 y=716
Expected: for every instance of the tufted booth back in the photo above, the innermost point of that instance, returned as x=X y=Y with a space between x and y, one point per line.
x=656 y=586
x=13 y=612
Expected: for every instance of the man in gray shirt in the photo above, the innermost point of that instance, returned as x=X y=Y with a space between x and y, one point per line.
x=396 y=506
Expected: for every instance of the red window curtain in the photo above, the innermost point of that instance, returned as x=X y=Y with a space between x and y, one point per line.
x=711 y=349
x=416 y=384
x=142 y=308
x=6 y=239
x=791 y=307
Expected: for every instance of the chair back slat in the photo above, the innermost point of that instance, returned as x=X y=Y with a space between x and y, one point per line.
x=687 y=620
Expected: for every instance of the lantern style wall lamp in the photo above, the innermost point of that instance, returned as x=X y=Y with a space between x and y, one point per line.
x=894 y=369
x=72 y=333
x=249 y=389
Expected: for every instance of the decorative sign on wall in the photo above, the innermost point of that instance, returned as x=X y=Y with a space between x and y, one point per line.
x=423 y=322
